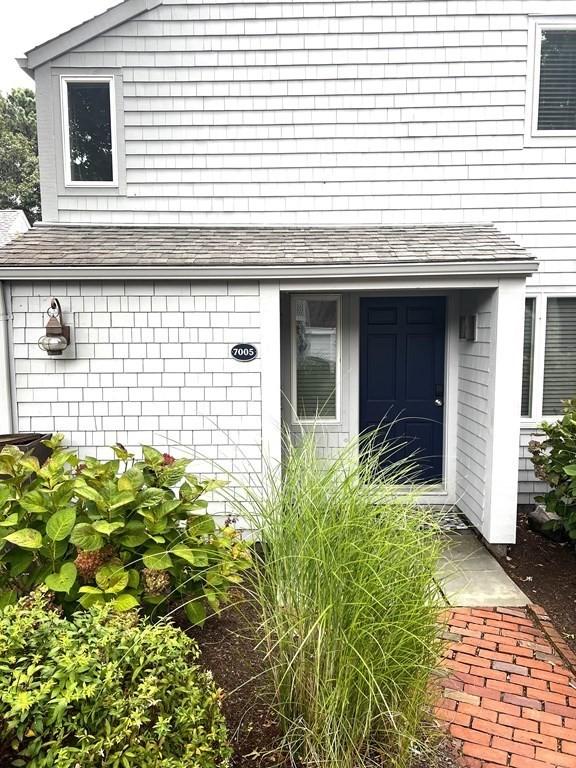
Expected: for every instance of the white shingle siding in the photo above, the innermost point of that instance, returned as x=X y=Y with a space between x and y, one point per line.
x=12 y=223
x=473 y=430
x=528 y=485
x=152 y=366
x=379 y=112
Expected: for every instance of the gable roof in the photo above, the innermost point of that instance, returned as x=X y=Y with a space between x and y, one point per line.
x=89 y=29
x=12 y=223
x=263 y=251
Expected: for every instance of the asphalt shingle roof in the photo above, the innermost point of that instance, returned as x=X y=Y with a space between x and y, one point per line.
x=156 y=246
x=11 y=223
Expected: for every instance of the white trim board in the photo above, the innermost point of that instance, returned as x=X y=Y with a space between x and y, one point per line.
x=437 y=272
x=88 y=30
x=499 y=520
x=6 y=357
x=270 y=376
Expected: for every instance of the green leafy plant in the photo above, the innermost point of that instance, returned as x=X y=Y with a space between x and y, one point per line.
x=124 y=532
x=104 y=690
x=554 y=460
x=349 y=602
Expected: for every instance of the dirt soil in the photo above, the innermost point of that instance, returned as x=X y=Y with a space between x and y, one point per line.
x=230 y=649
x=546 y=572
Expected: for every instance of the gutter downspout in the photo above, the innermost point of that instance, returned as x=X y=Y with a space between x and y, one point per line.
x=7 y=403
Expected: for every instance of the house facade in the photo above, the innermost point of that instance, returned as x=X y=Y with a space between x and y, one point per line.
x=262 y=214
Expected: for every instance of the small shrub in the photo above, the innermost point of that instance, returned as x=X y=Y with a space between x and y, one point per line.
x=554 y=460
x=103 y=690
x=350 y=606
x=123 y=532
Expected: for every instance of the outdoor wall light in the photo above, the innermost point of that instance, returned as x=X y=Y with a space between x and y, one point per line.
x=57 y=336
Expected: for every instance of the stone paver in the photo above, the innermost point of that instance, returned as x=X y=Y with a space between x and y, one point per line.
x=470 y=575
x=508 y=697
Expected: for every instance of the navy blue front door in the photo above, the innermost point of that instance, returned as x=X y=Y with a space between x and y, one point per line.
x=402 y=377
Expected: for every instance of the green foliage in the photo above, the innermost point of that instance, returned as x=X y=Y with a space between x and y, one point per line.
x=554 y=460
x=103 y=690
x=350 y=606
x=19 y=175
x=123 y=532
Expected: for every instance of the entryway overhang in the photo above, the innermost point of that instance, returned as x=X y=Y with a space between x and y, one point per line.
x=482 y=374
x=480 y=271
x=161 y=252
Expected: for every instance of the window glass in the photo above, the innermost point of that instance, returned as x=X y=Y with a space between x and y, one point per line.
x=90 y=131
x=557 y=97
x=560 y=354
x=528 y=359
x=316 y=358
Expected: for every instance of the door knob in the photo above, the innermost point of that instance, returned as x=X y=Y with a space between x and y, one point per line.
x=438 y=402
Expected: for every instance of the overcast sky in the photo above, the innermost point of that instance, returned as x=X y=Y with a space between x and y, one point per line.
x=26 y=23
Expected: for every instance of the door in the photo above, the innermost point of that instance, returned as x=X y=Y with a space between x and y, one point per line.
x=402 y=378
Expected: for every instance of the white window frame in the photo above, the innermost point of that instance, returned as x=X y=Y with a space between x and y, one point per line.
x=533 y=136
x=64 y=80
x=294 y=357
x=536 y=416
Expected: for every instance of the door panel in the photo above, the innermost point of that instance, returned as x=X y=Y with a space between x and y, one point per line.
x=402 y=377
x=381 y=384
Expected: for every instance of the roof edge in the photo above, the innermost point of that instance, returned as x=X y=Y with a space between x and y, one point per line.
x=22 y=62
x=278 y=225
x=498 y=268
x=85 y=31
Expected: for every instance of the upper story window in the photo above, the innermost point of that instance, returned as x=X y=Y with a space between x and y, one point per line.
x=557 y=83
x=553 y=84
x=90 y=155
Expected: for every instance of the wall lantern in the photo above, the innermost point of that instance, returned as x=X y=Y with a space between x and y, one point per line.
x=468 y=327
x=57 y=336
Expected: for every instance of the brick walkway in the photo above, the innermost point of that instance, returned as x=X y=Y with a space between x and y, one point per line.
x=509 y=696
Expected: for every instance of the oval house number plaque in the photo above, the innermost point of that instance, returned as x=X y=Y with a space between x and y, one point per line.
x=244 y=352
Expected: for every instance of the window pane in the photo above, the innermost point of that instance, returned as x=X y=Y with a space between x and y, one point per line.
x=557 y=101
x=316 y=358
x=560 y=354
x=90 y=130
x=528 y=358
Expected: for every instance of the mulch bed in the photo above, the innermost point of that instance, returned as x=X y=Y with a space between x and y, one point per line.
x=546 y=573
x=230 y=649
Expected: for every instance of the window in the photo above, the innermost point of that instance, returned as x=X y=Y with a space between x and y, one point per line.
x=316 y=354
x=552 y=86
x=527 y=361
x=560 y=354
x=557 y=81
x=549 y=367
x=89 y=131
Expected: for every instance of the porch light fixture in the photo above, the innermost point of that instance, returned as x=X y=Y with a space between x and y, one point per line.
x=57 y=337
x=468 y=327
